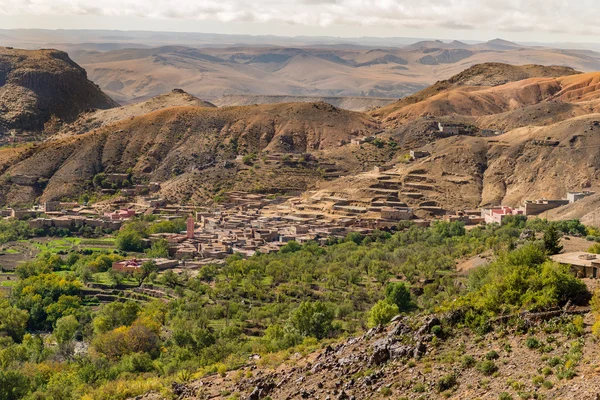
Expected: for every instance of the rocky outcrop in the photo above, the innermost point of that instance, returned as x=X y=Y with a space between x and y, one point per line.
x=42 y=86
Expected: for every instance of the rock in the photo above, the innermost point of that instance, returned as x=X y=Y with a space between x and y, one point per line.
x=420 y=350
x=380 y=355
x=399 y=329
x=429 y=323
x=255 y=395
x=397 y=318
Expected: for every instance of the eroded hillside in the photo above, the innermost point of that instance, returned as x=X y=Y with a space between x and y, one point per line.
x=37 y=87
x=166 y=144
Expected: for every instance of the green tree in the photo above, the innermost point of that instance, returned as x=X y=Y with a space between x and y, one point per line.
x=12 y=321
x=552 y=240
x=398 y=293
x=312 y=319
x=113 y=315
x=382 y=313
x=14 y=385
x=64 y=333
x=159 y=249
x=129 y=240
x=144 y=271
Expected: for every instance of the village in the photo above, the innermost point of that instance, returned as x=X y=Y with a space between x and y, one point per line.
x=250 y=223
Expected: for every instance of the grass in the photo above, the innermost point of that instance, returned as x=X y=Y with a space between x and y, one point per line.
x=11 y=251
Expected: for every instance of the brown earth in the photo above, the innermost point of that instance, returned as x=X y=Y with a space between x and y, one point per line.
x=37 y=87
x=166 y=144
x=210 y=73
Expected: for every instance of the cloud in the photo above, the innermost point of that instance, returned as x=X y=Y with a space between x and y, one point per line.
x=551 y=16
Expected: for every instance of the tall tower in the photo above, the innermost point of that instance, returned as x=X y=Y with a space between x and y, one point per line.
x=190 y=227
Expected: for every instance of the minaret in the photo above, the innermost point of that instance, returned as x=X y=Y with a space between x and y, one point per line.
x=190 y=227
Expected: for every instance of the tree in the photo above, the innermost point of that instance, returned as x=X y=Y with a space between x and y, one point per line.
x=14 y=385
x=66 y=305
x=116 y=314
x=159 y=249
x=312 y=319
x=170 y=279
x=144 y=271
x=552 y=240
x=382 y=313
x=129 y=240
x=398 y=293
x=12 y=321
x=116 y=277
x=64 y=333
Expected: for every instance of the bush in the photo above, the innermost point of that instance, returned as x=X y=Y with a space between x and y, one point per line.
x=595 y=248
x=505 y=396
x=492 y=355
x=437 y=330
x=419 y=388
x=487 y=367
x=382 y=313
x=532 y=343
x=312 y=319
x=446 y=382
x=467 y=361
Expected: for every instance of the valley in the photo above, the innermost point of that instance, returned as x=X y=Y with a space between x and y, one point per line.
x=266 y=222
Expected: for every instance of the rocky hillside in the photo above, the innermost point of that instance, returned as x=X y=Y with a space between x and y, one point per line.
x=465 y=171
x=42 y=86
x=424 y=358
x=167 y=144
x=97 y=118
x=347 y=103
x=484 y=89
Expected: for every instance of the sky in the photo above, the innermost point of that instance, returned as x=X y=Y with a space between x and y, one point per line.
x=525 y=21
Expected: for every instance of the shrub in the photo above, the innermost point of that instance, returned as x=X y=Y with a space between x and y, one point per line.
x=487 y=367
x=595 y=248
x=382 y=313
x=468 y=361
x=505 y=396
x=532 y=343
x=446 y=382
x=437 y=330
x=492 y=355
x=419 y=388
x=386 y=391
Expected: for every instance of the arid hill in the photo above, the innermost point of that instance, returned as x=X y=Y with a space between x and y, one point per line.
x=41 y=86
x=317 y=71
x=98 y=118
x=479 y=101
x=549 y=146
x=173 y=143
x=347 y=103
x=464 y=172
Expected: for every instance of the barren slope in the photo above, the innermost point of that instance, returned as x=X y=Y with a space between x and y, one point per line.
x=347 y=103
x=97 y=118
x=167 y=144
x=210 y=73
x=43 y=85
x=482 y=101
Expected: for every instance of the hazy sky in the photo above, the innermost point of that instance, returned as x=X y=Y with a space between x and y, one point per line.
x=531 y=20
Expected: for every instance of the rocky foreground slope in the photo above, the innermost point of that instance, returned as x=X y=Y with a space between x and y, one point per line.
x=44 y=86
x=428 y=358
